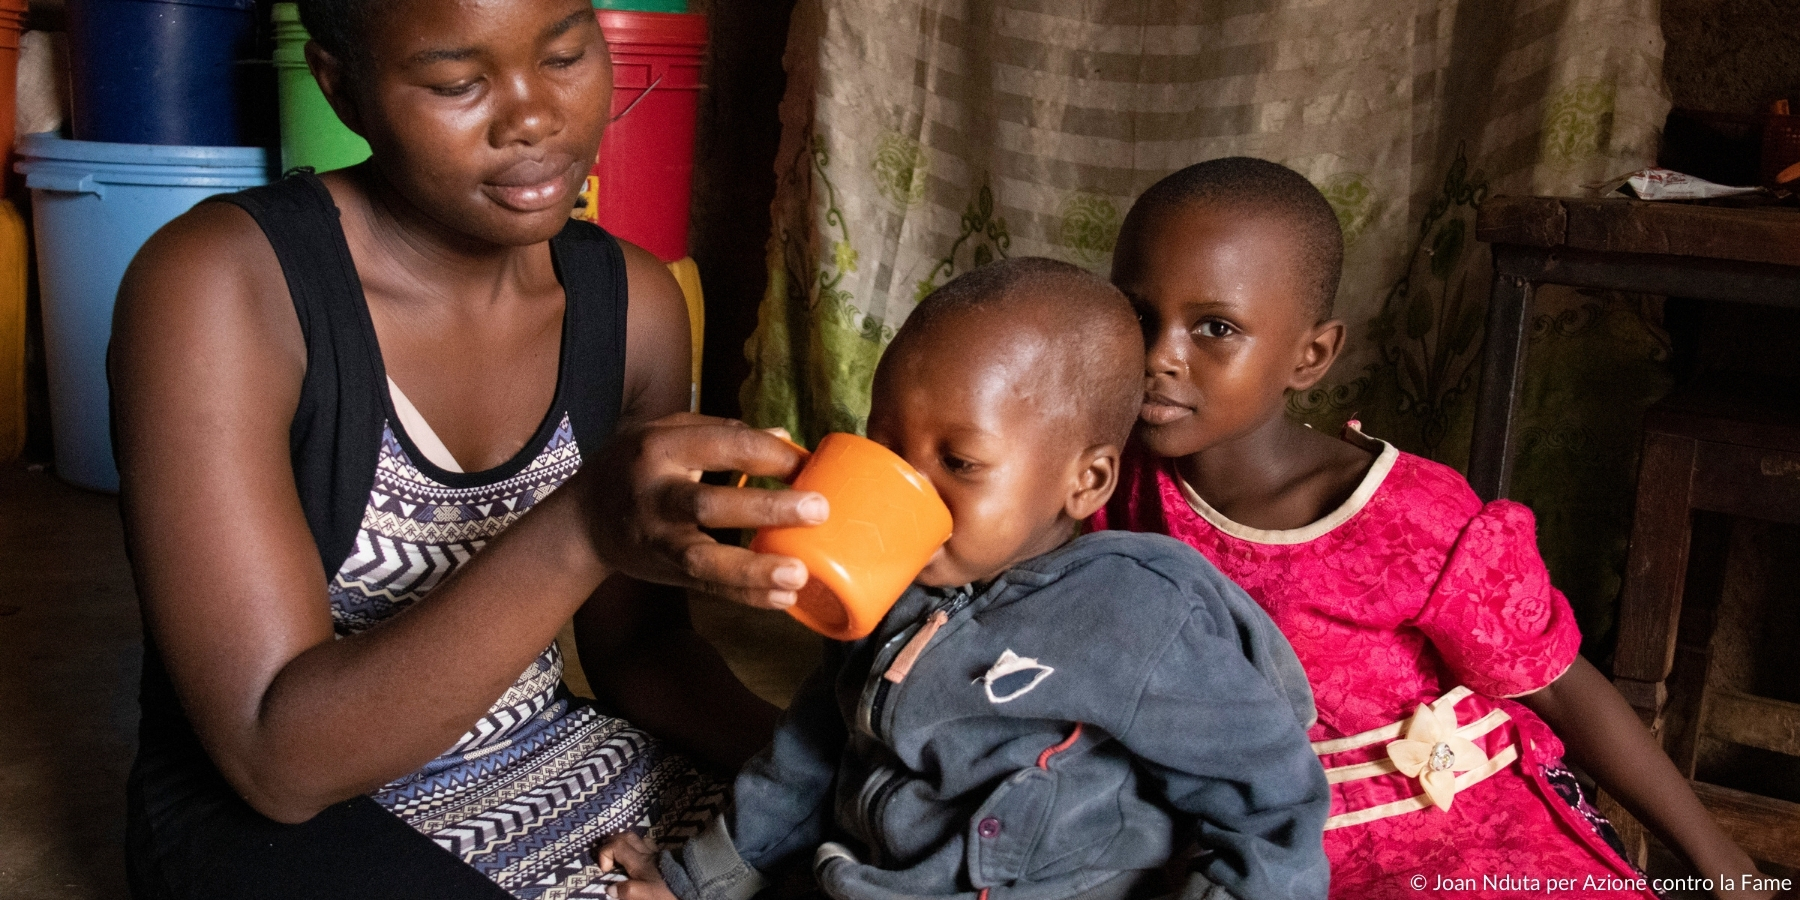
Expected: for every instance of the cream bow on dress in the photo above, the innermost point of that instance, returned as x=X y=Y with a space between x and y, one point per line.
x=1432 y=752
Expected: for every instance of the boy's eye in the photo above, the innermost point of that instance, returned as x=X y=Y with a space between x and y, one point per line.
x=956 y=465
x=1213 y=328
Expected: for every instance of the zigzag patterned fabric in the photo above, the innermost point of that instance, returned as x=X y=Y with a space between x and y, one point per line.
x=528 y=793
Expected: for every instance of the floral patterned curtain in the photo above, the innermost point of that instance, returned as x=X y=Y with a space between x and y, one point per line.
x=924 y=137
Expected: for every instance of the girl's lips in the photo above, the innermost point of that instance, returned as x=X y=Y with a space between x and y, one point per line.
x=1158 y=410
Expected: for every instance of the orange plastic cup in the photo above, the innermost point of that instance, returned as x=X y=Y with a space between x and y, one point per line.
x=886 y=522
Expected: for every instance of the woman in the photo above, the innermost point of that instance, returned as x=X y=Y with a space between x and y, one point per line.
x=350 y=413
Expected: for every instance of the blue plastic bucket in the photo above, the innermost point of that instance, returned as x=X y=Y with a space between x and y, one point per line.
x=158 y=71
x=93 y=205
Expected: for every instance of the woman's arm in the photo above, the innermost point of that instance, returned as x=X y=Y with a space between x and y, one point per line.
x=207 y=362
x=1605 y=738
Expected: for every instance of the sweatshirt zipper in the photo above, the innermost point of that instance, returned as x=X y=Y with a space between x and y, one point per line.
x=922 y=636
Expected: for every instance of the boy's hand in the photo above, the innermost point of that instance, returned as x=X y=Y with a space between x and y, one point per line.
x=637 y=857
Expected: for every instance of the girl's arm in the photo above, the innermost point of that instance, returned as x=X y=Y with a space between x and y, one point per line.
x=1605 y=738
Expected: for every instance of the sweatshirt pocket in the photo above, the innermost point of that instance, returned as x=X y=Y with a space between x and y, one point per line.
x=1004 y=830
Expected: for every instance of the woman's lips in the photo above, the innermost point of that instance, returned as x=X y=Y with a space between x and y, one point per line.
x=1160 y=410
x=531 y=187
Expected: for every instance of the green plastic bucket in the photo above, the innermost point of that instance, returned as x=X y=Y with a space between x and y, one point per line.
x=311 y=133
x=665 y=6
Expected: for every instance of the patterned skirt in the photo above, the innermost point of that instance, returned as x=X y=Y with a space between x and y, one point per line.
x=530 y=814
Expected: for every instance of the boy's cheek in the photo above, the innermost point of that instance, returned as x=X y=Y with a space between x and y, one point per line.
x=936 y=571
x=949 y=570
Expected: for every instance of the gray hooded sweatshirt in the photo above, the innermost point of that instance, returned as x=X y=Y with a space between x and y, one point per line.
x=1061 y=733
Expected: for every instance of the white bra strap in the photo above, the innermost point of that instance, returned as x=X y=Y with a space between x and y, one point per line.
x=420 y=431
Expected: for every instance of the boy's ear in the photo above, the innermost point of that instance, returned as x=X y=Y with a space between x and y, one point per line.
x=1319 y=348
x=333 y=77
x=1096 y=474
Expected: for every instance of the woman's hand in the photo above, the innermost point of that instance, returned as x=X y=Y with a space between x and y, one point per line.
x=650 y=507
x=637 y=857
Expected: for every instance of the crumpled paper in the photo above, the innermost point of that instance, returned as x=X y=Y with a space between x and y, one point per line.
x=1668 y=184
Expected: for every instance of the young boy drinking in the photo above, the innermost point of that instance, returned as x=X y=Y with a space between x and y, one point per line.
x=1042 y=716
x=1444 y=663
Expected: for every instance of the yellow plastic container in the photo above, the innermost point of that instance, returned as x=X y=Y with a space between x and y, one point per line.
x=12 y=331
x=688 y=276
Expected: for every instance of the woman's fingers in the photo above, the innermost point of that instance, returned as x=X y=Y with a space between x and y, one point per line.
x=711 y=506
x=649 y=510
x=703 y=443
x=762 y=580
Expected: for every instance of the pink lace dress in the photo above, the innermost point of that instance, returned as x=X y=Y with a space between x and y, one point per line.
x=1414 y=592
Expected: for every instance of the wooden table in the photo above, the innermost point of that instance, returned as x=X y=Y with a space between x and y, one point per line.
x=1747 y=255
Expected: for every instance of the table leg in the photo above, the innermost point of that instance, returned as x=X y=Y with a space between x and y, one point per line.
x=1656 y=571
x=1497 y=400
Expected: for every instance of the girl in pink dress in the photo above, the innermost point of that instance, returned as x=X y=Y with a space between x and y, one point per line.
x=1444 y=664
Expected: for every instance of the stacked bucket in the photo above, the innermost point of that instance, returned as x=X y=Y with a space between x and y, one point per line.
x=155 y=90
x=311 y=134
x=641 y=184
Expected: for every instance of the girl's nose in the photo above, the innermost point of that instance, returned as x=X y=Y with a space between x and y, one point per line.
x=1163 y=355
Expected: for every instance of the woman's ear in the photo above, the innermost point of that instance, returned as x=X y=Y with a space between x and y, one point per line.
x=1319 y=348
x=1096 y=474
x=334 y=81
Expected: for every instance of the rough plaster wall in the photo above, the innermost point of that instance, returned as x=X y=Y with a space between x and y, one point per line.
x=1734 y=56
x=1731 y=55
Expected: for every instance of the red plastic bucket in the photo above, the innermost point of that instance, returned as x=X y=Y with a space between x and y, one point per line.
x=12 y=24
x=642 y=181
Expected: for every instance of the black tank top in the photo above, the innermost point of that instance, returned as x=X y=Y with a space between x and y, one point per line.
x=189 y=835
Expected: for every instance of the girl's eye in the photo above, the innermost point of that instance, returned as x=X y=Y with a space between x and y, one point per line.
x=564 y=62
x=956 y=465
x=1213 y=328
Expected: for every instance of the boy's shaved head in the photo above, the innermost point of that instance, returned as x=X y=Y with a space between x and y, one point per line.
x=1259 y=188
x=1012 y=389
x=1095 y=343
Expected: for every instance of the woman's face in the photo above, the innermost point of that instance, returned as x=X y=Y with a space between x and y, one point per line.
x=485 y=114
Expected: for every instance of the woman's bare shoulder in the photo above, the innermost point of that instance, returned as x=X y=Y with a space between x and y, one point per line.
x=209 y=275
x=207 y=354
